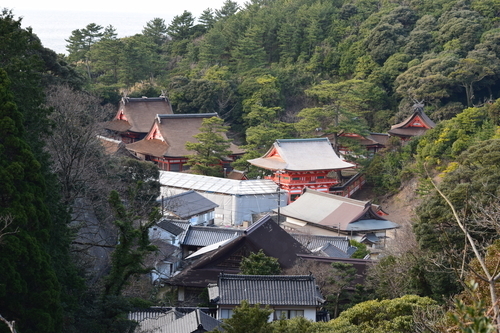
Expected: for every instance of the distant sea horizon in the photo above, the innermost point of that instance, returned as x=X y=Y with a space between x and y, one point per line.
x=54 y=27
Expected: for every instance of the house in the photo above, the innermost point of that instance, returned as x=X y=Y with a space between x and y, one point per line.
x=237 y=175
x=165 y=260
x=302 y=163
x=197 y=237
x=190 y=206
x=226 y=256
x=165 y=142
x=415 y=125
x=135 y=117
x=320 y=213
x=238 y=200
x=168 y=232
x=288 y=295
x=174 y=321
x=328 y=246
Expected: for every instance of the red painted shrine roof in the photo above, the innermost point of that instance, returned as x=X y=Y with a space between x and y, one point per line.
x=416 y=124
x=301 y=155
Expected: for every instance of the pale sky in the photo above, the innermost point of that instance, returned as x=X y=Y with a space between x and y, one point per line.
x=54 y=20
x=150 y=6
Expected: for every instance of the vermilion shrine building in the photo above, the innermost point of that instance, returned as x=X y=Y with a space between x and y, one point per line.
x=415 y=125
x=300 y=163
x=165 y=142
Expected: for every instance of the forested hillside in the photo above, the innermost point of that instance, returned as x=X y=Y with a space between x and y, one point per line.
x=274 y=69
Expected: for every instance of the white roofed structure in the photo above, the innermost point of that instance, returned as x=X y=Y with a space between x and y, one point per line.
x=237 y=199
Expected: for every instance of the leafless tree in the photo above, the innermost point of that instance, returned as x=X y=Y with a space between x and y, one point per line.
x=73 y=144
x=484 y=274
x=10 y=324
x=5 y=222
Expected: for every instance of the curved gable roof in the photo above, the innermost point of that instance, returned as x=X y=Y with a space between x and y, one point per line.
x=426 y=121
x=301 y=155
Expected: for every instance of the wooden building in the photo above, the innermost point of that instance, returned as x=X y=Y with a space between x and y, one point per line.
x=317 y=213
x=415 y=125
x=300 y=163
x=135 y=116
x=372 y=142
x=165 y=142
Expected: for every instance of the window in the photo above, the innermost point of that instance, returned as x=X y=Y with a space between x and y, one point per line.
x=320 y=177
x=288 y=314
x=296 y=178
x=226 y=313
x=175 y=167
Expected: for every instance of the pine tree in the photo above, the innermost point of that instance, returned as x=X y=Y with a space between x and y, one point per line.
x=210 y=149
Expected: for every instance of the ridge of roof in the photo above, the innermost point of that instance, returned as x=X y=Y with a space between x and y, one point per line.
x=257 y=224
x=278 y=141
x=337 y=197
x=144 y=99
x=227 y=276
x=187 y=115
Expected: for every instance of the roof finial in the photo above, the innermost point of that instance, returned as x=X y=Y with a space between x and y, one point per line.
x=418 y=105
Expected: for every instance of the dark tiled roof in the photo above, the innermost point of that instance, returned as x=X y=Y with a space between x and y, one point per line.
x=191 y=322
x=188 y=204
x=158 y=316
x=268 y=289
x=170 y=227
x=330 y=250
x=264 y=234
x=204 y=236
x=174 y=321
x=314 y=242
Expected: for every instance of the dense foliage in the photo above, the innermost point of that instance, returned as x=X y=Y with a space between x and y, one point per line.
x=262 y=64
x=274 y=69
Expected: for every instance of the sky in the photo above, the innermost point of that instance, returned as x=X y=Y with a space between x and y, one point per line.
x=150 y=6
x=54 y=20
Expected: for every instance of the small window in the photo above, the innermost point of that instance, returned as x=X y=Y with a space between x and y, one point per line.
x=175 y=167
x=296 y=178
x=288 y=314
x=320 y=177
x=226 y=313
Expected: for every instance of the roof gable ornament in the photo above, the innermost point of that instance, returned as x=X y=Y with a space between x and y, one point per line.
x=418 y=105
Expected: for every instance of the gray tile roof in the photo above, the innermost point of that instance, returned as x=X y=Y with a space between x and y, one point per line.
x=151 y=320
x=188 y=204
x=204 y=236
x=313 y=242
x=300 y=155
x=170 y=227
x=191 y=322
x=330 y=250
x=275 y=290
x=173 y=321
